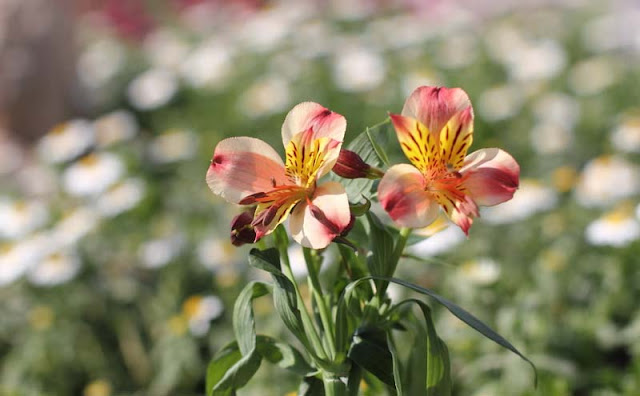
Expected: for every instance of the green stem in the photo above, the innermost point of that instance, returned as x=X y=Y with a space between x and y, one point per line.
x=333 y=386
x=306 y=318
x=395 y=258
x=325 y=314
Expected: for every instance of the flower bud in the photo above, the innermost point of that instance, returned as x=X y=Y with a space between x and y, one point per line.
x=241 y=229
x=351 y=166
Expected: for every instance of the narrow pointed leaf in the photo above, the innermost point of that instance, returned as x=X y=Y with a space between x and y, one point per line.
x=284 y=355
x=230 y=370
x=370 y=351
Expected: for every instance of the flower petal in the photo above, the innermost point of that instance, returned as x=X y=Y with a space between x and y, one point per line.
x=243 y=166
x=402 y=194
x=418 y=144
x=434 y=106
x=309 y=158
x=460 y=208
x=310 y=115
x=491 y=176
x=456 y=138
x=315 y=225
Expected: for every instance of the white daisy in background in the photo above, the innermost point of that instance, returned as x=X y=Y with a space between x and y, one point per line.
x=358 y=69
x=11 y=155
x=500 y=102
x=482 y=271
x=551 y=138
x=618 y=228
x=164 y=48
x=626 y=135
x=152 y=89
x=532 y=197
x=438 y=243
x=200 y=311
x=20 y=218
x=173 y=146
x=121 y=197
x=269 y=95
x=214 y=253
x=536 y=61
x=208 y=66
x=17 y=258
x=54 y=269
x=592 y=76
x=92 y=174
x=607 y=179
x=66 y=141
x=100 y=62
x=157 y=253
x=115 y=127
x=557 y=108
x=75 y=226
x=296 y=259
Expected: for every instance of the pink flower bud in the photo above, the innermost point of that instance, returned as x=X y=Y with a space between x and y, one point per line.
x=351 y=166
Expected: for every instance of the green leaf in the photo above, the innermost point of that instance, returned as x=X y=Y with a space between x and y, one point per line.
x=230 y=370
x=381 y=246
x=367 y=146
x=397 y=365
x=456 y=310
x=244 y=325
x=370 y=351
x=284 y=294
x=430 y=372
x=284 y=355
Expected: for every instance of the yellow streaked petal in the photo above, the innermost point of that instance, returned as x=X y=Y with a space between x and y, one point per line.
x=456 y=138
x=417 y=143
x=309 y=158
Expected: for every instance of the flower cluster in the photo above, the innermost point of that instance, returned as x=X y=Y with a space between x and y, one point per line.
x=435 y=131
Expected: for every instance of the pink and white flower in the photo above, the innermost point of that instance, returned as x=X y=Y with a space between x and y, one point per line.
x=435 y=131
x=247 y=171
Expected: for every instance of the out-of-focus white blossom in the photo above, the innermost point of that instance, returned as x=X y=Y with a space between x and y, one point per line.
x=19 y=218
x=173 y=146
x=358 y=69
x=54 y=269
x=607 y=179
x=75 y=226
x=100 y=63
x=121 y=197
x=266 y=96
x=66 y=141
x=557 y=108
x=159 y=252
x=438 y=243
x=200 y=311
x=500 y=102
x=164 y=48
x=551 y=138
x=481 y=271
x=115 y=127
x=17 y=258
x=92 y=174
x=207 y=66
x=592 y=76
x=531 y=197
x=152 y=89
x=626 y=135
x=617 y=228
x=214 y=252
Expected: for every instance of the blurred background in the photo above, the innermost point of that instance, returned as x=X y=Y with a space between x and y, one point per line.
x=117 y=276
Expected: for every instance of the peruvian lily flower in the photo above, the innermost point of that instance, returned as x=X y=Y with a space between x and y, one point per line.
x=435 y=131
x=247 y=171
